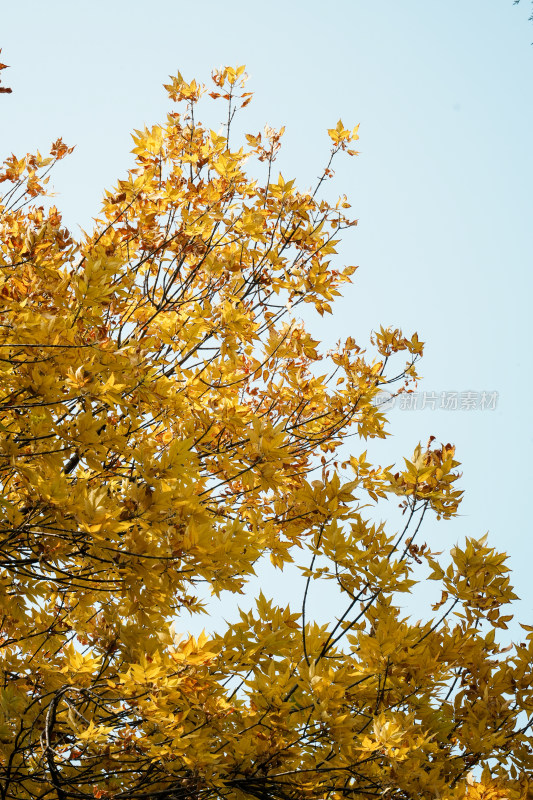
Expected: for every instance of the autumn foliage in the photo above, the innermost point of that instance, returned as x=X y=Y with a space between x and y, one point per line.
x=166 y=423
x=4 y=89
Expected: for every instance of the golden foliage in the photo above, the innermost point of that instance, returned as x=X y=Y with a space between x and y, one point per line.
x=167 y=421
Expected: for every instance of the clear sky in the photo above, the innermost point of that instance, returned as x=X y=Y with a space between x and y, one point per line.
x=442 y=188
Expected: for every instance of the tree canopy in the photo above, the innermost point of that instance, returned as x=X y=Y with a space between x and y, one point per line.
x=167 y=422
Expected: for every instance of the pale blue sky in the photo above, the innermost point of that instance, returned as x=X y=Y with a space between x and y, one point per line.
x=442 y=188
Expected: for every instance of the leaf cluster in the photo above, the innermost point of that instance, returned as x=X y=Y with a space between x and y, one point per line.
x=166 y=422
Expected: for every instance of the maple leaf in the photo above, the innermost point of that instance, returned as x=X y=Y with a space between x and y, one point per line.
x=167 y=425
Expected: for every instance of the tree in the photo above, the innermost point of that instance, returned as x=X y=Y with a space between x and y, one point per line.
x=167 y=421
